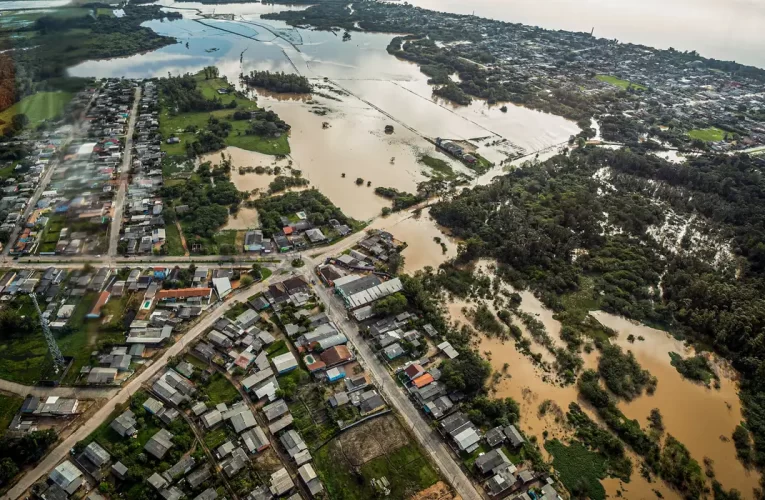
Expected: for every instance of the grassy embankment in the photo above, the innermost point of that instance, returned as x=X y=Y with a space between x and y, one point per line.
x=710 y=134
x=174 y=125
x=618 y=82
x=38 y=107
x=9 y=405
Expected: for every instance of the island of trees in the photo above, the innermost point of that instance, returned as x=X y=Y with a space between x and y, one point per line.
x=278 y=82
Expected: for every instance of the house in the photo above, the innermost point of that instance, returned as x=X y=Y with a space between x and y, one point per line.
x=439 y=407
x=371 y=402
x=284 y=362
x=222 y=286
x=253 y=241
x=281 y=482
x=315 y=236
x=119 y=470
x=255 y=440
x=247 y=319
x=241 y=417
x=513 y=436
x=153 y=406
x=99 y=375
x=423 y=380
x=237 y=462
x=311 y=480
x=94 y=313
x=335 y=374
x=67 y=477
x=208 y=494
x=336 y=355
x=393 y=351
x=199 y=476
x=212 y=418
x=181 y=468
x=124 y=425
x=501 y=481
x=96 y=454
x=292 y=442
x=187 y=295
x=492 y=462
x=275 y=410
x=159 y=444
x=447 y=349
x=413 y=371
x=495 y=436
x=462 y=431
x=339 y=399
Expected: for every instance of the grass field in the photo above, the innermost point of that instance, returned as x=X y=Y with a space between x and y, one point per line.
x=220 y=390
x=407 y=470
x=38 y=107
x=9 y=405
x=711 y=134
x=618 y=82
x=437 y=165
x=174 y=125
x=579 y=469
x=173 y=240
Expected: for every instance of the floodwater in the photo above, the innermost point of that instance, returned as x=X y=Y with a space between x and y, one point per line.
x=696 y=415
x=245 y=218
x=422 y=250
x=730 y=30
x=341 y=131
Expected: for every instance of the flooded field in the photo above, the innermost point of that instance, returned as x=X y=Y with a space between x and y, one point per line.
x=422 y=249
x=360 y=89
x=701 y=418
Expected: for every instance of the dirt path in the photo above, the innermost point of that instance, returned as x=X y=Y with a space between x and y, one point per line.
x=183 y=239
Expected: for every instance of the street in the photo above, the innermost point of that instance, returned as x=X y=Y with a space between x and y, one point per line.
x=428 y=437
x=119 y=200
x=62 y=450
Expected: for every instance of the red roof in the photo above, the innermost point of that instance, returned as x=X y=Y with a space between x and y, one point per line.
x=287 y=230
x=184 y=293
x=413 y=370
x=102 y=299
x=423 y=380
x=335 y=355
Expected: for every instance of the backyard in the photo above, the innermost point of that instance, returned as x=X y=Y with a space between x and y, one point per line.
x=618 y=82
x=710 y=134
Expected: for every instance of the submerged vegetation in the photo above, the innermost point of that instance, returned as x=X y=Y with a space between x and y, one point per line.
x=694 y=368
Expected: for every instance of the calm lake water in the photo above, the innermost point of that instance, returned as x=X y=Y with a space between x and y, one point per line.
x=728 y=30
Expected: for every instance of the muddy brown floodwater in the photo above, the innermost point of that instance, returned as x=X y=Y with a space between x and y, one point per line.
x=694 y=414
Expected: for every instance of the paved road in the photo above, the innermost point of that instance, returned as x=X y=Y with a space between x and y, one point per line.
x=62 y=450
x=428 y=438
x=119 y=200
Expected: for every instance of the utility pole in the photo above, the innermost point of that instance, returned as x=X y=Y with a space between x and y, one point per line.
x=55 y=352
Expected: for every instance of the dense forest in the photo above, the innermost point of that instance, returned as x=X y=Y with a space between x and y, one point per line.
x=278 y=82
x=534 y=220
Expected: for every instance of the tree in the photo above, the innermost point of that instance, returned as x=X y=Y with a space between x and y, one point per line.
x=19 y=121
x=467 y=373
x=359 y=181
x=391 y=305
x=246 y=280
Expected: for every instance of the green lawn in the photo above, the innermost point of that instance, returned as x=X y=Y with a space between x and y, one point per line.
x=220 y=390
x=9 y=405
x=173 y=240
x=174 y=125
x=7 y=171
x=711 y=134
x=277 y=348
x=38 y=107
x=579 y=469
x=407 y=470
x=215 y=438
x=618 y=82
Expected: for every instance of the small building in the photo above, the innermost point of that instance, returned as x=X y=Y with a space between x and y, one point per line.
x=284 y=362
x=67 y=477
x=255 y=440
x=514 y=437
x=124 y=424
x=96 y=454
x=281 y=482
x=335 y=374
x=160 y=443
x=311 y=480
x=119 y=470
